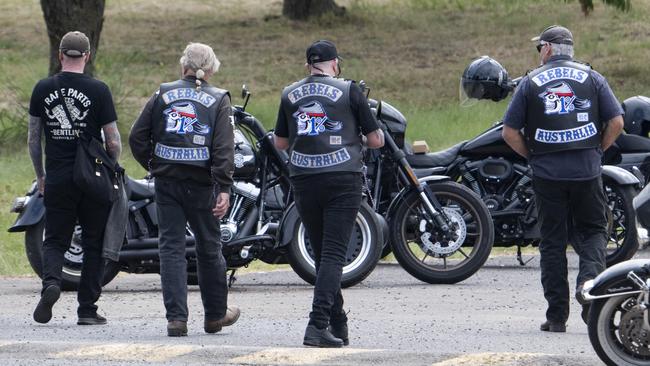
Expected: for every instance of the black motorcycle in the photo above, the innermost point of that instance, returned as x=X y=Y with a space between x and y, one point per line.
x=262 y=222
x=503 y=179
x=619 y=326
x=439 y=230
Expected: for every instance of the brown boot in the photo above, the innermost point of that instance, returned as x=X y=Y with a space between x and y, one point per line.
x=213 y=326
x=176 y=328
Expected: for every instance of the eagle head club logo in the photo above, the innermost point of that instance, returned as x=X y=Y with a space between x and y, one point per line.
x=181 y=119
x=560 y=99
x=312 y=120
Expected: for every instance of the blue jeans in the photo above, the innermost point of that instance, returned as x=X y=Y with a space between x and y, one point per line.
x=178 y=203
x=328 y=204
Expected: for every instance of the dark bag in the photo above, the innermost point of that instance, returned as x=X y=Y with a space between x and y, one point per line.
x=95 y=172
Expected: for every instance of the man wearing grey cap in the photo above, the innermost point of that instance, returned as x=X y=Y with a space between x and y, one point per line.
x=562 y=117
x=63 y=106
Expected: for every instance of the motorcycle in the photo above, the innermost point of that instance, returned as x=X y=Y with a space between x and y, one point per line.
x=261 y=223
x=503 y=179
x=619 y=327
x=439 y=230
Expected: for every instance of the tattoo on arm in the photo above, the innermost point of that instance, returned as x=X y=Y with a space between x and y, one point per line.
x=34 y=144
x=113 y=141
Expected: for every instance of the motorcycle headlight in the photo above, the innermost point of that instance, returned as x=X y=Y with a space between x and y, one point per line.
x=18 y=205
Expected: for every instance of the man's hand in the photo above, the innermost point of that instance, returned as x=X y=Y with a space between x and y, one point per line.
x=223 y=202
x=40 y=184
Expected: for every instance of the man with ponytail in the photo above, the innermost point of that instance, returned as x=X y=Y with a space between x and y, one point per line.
x=184 y=138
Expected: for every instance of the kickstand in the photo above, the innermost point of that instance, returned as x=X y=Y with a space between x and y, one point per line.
x=232 y=278
x=520 y=259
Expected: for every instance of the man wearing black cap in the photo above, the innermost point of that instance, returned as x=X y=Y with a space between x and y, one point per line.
x=63 y=106
x=321 y=122
x=562 y=117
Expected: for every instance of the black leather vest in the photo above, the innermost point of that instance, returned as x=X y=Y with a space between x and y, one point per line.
x=324 y=135
x=183 y=123
x=562 y=111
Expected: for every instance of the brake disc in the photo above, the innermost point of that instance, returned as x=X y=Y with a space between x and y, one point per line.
x=633 y=336
x=445 y=247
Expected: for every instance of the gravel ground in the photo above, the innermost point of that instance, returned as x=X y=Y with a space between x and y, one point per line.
x=491 y=318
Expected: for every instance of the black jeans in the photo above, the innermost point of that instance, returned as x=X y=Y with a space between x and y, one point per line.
x=575 y=212
x=178 y=203
x=64 y=205
x=328 y=204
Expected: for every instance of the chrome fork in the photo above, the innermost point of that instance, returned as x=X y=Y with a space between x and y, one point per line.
x=644 y=296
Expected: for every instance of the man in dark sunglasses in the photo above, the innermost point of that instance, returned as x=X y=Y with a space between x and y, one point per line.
x=562 y=117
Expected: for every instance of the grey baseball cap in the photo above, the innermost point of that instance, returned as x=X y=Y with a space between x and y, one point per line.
x=555 y=34
x=74 y=44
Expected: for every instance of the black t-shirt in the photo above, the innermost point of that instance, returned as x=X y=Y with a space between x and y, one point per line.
x=358 y=104
x=89 y=106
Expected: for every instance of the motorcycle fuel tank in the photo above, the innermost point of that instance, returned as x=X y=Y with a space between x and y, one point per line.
x=489 y=142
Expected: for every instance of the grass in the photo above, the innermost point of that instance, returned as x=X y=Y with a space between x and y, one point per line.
x=410 y=52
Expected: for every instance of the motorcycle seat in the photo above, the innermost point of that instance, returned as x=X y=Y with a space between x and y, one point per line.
x=139 y=189
x=633 y=144
x=440 y=158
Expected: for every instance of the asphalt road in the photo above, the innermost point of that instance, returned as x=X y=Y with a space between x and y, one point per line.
x=490 y=319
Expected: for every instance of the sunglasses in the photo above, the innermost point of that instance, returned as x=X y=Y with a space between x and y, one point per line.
x=540 y=46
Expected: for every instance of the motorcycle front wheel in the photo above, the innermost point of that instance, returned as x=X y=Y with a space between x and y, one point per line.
x=72 y=258
x=616 y=331
x=364 y=250
x=428 y=259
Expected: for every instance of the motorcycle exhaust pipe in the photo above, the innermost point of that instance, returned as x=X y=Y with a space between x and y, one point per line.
x=142 y=254
x=150 y=243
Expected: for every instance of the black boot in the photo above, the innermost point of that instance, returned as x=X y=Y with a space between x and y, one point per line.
x=321 y=338
x=43 y=311
x=340 y=331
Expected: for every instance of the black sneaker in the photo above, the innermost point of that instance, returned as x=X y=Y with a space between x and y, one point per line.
x=548 y=326
x=49 y=296
x=340 y=331
x=91 y=320
x=321 y=338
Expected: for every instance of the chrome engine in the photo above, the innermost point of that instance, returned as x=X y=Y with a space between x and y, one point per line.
x=243 y=197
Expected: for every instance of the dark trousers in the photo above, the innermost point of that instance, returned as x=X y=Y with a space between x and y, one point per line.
x=64 y=205
x=328 y=205
x=575 y=212
x=178 y=203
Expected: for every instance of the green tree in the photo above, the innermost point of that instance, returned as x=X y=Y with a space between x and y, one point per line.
x=588 y=5
x=303 y=9
x=63 y=16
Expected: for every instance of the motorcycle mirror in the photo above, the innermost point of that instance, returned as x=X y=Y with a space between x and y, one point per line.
x=246 y=95
x=364 y=88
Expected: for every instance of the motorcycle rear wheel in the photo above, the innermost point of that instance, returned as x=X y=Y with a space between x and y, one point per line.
x=71 y=273
x=623 y=241
x=605 y=332
x=364 y=250
x=406 y=239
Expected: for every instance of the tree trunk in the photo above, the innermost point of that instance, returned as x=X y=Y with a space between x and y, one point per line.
x=303 y=9
x=63 y=16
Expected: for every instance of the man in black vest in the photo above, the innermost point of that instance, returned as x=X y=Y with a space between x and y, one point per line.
x=62 y=106
x=321 y=122
x=184 y=137
x=569 y=116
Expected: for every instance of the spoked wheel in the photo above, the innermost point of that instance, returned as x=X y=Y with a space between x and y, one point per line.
x=616 y=331
x=425 y=253
x=73 y=257
x=623 y=241
x=364 y=250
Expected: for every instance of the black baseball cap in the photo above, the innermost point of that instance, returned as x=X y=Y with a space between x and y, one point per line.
x=74 y=44
x=555 y=34
x=321 y=51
